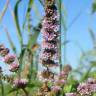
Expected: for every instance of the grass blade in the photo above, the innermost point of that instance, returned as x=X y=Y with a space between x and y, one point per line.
x=16 y=17
x=28 y=11
x=10 y=40
x=16 y=20
x=4 y=10
x=92 y=37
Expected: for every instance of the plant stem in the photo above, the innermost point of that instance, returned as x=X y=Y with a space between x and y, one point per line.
x=25 y=91
x=60 y=49
x=2 y=88
x=17 y=93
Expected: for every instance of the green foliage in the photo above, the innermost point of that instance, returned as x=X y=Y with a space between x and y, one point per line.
x=2 y=88
x=94 y=6
x=16 y=19
x=93 y=37
x=28 y=11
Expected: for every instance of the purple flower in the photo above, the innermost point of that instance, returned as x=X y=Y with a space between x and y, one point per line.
x=3 y=51
x=63 y=75
x=50 y=33
x=93 y=88
x=60 y=82
x=46 y=55
x=9 y=58
x=20 y=83
x=84 y=89
x=56 y=88
x=1 y=46
x=91 y=81
x=88 y=87
x=54 y=28
x=49 y=63
x=47 y=45
x=14 y=67
x=50 y=37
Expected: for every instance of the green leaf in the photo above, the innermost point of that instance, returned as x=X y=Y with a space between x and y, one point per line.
x=13 y=90
x=42 y=3
x=86 y=74
x=69 y=88
x=16 y=19
x=2 y=88
x=30 y=6
x=93 y=37
x=30 y=85
x=34 y=83
x=94 y=7
x=93 y=63
x=28 y=11
x=94 y=94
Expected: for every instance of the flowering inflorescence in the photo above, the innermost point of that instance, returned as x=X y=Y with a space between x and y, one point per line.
x=8 y=58
x=20 y=83
x=85 y=89
x=61 y=80
x=58 y=82
x=14 y=67
x=50 y=33
x=13 y=63
x=50 y=30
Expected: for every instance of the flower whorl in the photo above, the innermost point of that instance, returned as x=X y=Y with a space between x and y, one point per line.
x=50 y=30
